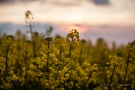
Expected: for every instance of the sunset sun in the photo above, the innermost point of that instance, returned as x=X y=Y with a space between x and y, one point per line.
x=80 y=29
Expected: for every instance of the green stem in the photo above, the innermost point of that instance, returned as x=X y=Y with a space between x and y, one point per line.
x=60 y=53
x=126 y=71
x=30 y=25
x=48 y=55
x=7 y=58
x=111 y=76
x=70 y=50
x=47 y=62
x=39 y=83
x=34 y=51
x=80 y=57
x=26 y=58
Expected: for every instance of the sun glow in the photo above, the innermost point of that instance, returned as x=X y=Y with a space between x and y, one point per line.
x=74 y=17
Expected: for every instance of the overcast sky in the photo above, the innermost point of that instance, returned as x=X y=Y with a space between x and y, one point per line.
x=114 y=20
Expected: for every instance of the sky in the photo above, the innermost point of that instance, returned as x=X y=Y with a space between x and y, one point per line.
x=113 y=20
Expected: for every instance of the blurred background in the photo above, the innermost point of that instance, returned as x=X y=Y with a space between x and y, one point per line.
x=112 y=20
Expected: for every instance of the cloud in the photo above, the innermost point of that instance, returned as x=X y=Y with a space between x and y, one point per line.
x=7 y=2
x=101 y=2
x=53 y=2
x=65 y=4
